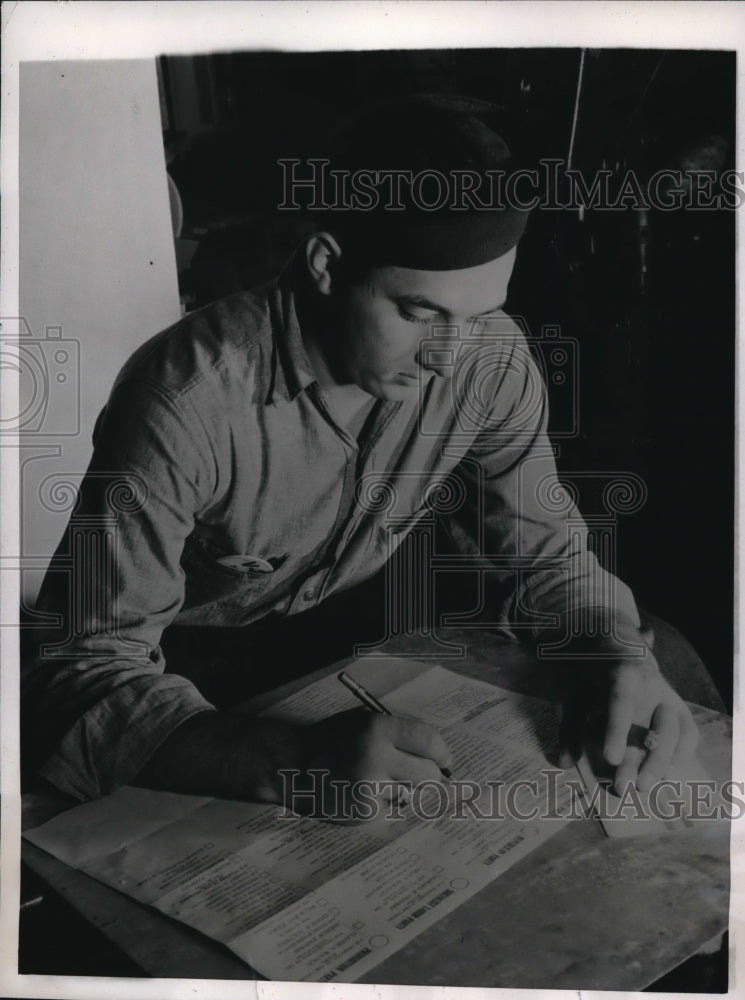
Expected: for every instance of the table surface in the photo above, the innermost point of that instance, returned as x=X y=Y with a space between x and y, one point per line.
x=583 y=911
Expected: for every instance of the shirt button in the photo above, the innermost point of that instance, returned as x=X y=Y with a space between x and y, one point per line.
x=309 y=594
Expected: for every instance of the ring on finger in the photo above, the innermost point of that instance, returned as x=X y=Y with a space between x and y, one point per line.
x=651 y=740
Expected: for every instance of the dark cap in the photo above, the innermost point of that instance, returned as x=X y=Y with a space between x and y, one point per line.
x=424 y=184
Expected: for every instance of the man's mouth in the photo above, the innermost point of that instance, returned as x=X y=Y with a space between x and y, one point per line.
x=423 y=375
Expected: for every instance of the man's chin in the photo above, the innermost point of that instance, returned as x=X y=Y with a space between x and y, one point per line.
x=394 y=390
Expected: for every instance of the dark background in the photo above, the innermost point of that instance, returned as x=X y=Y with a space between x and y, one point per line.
x=649 y=296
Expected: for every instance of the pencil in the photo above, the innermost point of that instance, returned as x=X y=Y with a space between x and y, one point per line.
x=377 y=706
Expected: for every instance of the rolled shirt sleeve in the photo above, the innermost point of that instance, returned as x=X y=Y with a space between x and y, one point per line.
x=96 y=701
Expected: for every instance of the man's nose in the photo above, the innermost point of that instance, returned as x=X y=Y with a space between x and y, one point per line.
x=438 y=355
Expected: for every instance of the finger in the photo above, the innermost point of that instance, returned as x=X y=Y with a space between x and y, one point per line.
x=666 y=729
x=627 y=771
x=571 y=729
x=688 y=734
x=394 y=790
x=404 y=792
x=422 y=740
x=408 y=767
x=620 y=717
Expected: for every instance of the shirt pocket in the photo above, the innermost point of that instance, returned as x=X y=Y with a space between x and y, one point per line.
x=210 y=581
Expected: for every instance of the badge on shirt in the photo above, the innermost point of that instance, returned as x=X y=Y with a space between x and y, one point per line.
x=253 y=563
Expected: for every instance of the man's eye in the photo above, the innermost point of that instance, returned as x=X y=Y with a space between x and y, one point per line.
x=411 y=318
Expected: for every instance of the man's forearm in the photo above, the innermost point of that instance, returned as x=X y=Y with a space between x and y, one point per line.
x=227 y=756
x=238 y=757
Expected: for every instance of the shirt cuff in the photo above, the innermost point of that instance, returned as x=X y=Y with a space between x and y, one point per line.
x=576 y=598
x=111 y=744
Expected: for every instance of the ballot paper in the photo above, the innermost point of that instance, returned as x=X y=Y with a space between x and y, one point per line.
x=302 y=899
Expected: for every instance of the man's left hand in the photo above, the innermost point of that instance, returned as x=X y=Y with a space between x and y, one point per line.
x=640 y=695
x=631 y=696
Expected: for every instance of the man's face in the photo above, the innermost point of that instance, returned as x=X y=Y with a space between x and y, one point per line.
x=381 y=320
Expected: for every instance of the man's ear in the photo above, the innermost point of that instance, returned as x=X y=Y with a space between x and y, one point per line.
x=322 y=255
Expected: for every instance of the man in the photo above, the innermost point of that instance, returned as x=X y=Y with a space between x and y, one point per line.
x=252 y=437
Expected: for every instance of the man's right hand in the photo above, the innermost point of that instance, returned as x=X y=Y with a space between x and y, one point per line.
x=386 y=753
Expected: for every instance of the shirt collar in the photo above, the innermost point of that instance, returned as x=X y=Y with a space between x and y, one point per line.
x=292 y=370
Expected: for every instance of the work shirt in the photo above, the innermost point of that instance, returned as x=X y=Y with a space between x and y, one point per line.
x=222 y=488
